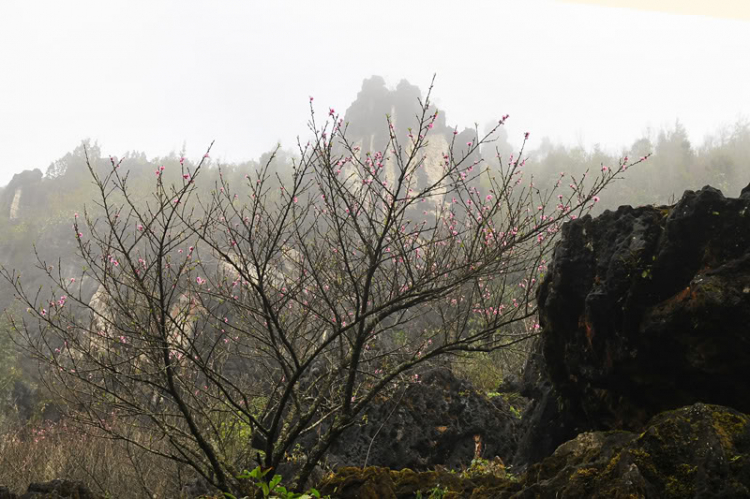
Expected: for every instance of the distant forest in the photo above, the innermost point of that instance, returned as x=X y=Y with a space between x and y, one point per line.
x=674 y=165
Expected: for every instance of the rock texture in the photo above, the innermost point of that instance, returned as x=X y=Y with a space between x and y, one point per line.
x=440 y=421
x=547 y=421
x=648 y=309
x=697 y=451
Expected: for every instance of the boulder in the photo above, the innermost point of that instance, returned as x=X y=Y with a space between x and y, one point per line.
x=441 y=421
x=696 y=451
x=648 y=309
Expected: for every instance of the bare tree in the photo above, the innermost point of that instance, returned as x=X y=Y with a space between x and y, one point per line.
x=276 y=310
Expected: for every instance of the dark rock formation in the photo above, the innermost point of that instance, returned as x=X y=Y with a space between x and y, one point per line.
x=440 y=421
x=648 y=309
x=697 y=451
x=56 y=489
x=547 y=421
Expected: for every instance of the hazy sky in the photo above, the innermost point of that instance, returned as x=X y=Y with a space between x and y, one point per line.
x=150 y=75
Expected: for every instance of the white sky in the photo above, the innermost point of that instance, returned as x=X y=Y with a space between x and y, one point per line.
x=150 y=75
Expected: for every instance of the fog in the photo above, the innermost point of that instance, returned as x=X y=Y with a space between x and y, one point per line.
x=240 y=235
x=157 y=77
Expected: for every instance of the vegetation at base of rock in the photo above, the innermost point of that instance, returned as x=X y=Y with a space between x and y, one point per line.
x=697 y=451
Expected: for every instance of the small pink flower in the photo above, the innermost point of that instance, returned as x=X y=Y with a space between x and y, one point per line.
x=526 y=136
x=140 y=227
x=596 y=199
x=185 y=176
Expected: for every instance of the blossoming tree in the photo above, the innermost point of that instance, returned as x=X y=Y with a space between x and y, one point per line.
x=225 y=328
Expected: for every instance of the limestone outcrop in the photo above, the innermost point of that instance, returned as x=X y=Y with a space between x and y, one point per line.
x=648 y=309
